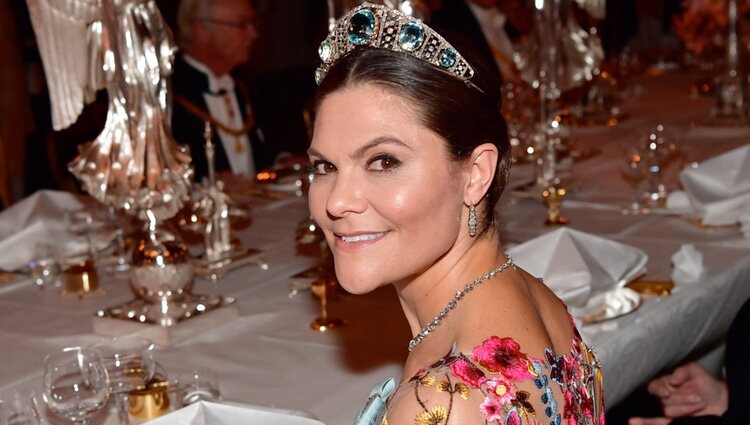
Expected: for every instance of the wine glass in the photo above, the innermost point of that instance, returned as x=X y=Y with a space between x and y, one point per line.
x=20 y=408
x=199 y=385
x=636 y=171
x=660 y=147
x=76 y=384
x=130 y=364
x=45 y=267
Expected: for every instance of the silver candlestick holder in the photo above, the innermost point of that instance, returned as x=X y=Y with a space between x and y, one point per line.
x=731 y=107
x=222 y=252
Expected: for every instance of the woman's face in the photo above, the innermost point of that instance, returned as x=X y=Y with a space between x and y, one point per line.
x=386 y=195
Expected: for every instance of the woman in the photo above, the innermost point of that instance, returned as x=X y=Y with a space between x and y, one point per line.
x=410 y=156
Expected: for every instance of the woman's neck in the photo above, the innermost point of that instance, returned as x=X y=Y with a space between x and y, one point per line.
x=423 y=296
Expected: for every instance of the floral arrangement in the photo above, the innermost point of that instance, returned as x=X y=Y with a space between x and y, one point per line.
x=702 y=24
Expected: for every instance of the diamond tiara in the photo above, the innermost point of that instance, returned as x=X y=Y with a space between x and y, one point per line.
x=381 y=27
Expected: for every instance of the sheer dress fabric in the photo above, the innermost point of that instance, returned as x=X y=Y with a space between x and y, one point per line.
x=497 y=382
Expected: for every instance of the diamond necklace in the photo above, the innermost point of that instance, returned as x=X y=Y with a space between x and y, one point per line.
x=454 y=302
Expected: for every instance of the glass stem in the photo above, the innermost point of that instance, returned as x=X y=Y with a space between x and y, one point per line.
x=122 y=409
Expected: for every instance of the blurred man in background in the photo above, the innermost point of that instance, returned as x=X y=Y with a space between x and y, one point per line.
x=215 y=37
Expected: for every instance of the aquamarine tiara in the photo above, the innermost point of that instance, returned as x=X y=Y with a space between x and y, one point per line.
x=381 y=27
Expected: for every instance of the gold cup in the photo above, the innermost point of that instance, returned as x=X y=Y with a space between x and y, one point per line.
x=79 y=275
x=150 y=402
x=553 y=197
x=323 y=288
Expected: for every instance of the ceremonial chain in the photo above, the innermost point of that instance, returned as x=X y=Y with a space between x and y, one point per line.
x=454 y=302
x=205 y=116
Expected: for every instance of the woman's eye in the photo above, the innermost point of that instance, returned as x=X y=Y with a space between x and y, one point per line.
x=384 y=163
x=322 y=168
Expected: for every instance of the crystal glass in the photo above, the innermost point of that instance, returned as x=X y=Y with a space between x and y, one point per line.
x=658 y=147
x=635 y=170
x=82 y=224
x=120 y=260
x=76 y=384
x=197 y=385
x=45 y=267
x=20 y=408
x=130 y=364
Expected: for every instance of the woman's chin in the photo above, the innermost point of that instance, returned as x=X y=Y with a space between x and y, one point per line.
x=354 y=287
x=356 y=282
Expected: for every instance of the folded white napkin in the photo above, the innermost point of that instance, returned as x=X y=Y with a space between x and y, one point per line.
x=745 y=221
x=720 y=186
x=687 y=265
x=577 y=265
x=207 y=413
x=37 y=219
x=678 y=201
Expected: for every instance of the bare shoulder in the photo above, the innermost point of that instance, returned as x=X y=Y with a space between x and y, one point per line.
x=523 y=309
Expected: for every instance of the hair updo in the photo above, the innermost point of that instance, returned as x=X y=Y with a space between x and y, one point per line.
x=462 y=115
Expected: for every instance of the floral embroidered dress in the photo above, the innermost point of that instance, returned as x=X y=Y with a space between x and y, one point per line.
x=505 y=385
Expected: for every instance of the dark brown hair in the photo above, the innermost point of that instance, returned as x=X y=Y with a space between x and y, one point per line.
x=464 y=116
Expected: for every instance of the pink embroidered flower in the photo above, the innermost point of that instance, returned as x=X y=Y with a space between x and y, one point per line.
x=492 y=409
x=502 y=390
x=513 y=418
x=586 y=402
x=572 y=369
x=570 y=412
x=468 y=373
x=503 y=355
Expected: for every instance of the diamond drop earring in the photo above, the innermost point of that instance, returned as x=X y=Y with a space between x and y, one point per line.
x=472 y=221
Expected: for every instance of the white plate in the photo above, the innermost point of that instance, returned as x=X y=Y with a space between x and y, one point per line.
x=610 y=305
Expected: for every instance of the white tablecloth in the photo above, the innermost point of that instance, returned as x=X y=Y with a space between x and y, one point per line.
x=270 y=357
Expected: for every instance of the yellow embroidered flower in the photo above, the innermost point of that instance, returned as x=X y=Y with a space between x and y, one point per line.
x=501 y=389
x=462 y=391
x=427 y=381
x=435 y=416
x=458 y=388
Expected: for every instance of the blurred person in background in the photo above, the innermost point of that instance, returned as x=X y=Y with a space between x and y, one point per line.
x=215 y=37
x=690 y=395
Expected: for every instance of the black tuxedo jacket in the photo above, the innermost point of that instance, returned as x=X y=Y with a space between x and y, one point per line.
x=187 y=128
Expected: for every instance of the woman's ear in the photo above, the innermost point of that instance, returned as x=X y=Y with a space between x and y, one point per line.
x=482 y=165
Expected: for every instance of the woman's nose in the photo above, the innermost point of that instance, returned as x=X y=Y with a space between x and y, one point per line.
x=346 y=197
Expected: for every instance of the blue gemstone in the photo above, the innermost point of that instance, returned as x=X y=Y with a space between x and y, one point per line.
x=548 y=412
x=362 y=26
x=411 y=36
x=448 y=57
x=553 y=404
x=538 y=383
x=545 y=399
x=557 y=420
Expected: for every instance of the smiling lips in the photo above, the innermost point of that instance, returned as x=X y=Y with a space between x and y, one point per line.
x=360 y=240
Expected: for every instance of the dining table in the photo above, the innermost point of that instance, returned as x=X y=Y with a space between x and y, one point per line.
x=266 y=354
